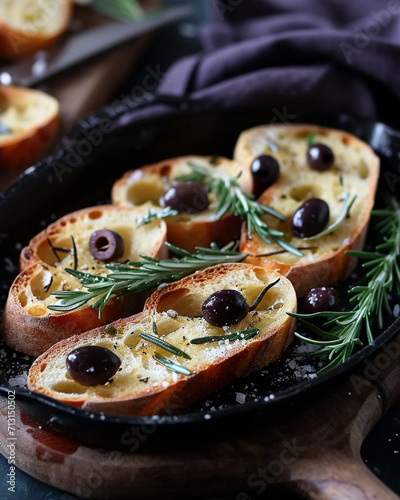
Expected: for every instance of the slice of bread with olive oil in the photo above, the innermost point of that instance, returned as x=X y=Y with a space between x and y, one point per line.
x=83 y=240
x=338 y=167
x=195 y=224
x=185 y=344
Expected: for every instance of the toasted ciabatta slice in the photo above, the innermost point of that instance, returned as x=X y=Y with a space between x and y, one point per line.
x=28 y=325
x=143 y=386
x=186 y=230
x=29 y=121
x=355 y=171
x=27 y=26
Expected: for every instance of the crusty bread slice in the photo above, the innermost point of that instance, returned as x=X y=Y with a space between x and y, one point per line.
x=27 y=26
x=28 y=325
x=148 y=184
x=355 y=171
x=142 y=386
x=30 y=118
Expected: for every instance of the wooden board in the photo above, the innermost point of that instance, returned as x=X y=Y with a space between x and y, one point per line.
x=315 y=452
x=90 y=85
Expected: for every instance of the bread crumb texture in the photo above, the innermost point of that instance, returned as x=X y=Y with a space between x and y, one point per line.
x=140 y=373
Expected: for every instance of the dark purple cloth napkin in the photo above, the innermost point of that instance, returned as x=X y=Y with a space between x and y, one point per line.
x=328 y=55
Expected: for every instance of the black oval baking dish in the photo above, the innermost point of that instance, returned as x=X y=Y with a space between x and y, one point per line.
x=81 y=172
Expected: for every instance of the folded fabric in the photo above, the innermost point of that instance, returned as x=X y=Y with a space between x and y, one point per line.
x=335 y=56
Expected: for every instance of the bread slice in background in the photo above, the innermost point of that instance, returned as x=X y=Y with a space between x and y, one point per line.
x=30 y=118
x=144 y=387
x=27 y=26
x=356 y=170
x=145 y=186
x=28 y=325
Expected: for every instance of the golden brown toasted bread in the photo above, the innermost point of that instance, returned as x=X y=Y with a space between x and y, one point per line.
x=28 y=325
x=144 y=386
x=355 y=172
x=145 y=187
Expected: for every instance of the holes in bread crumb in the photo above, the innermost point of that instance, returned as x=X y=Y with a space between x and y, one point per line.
x=345 y=140
x=300 y=193
x=147 y=188
x=68 y=387
x=37 y=311
x=62 y=223
x=184 y=302
x=95 y=214
x=23 y=298
x=363 y=170
x=72 y=220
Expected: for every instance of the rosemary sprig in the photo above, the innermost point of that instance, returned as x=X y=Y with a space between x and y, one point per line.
x=150 y=216
x=164 y=345
x=142 y=275
x=243 y=335
x=346 y=207
x=170 y=365
x=231 y=198
x=343 y=330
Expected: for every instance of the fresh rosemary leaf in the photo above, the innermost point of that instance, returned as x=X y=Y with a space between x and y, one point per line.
x=343 y=330
x=243 y=335
x=164 y=345
x=162 y=214
x=86 y=278
x=143 y=275
x=174 y=367
x=346 y=207
x=232 y=199
x=310 y=139
x=65 y=307
x=262 y=294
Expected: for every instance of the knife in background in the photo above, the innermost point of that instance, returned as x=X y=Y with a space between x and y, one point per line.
x=85 y=45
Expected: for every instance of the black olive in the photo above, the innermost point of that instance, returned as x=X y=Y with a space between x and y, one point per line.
x=92 y=365
x=321 y=299
x=311 y=218
x=225 y=308
x=265 y=171
x=186 y=198
x=320 y=157
x=105 y=244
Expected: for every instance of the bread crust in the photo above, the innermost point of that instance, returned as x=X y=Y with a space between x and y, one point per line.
x=334 y=264
x=21 y=148
x=27 y=325
x=171 y=394
x=185 y=231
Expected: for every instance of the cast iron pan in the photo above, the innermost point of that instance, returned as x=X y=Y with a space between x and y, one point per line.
x=81 y=172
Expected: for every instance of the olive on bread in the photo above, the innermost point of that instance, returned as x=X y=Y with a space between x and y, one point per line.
x=83 y=240
x=320 y=170
x=158 y=186
x=170 y=355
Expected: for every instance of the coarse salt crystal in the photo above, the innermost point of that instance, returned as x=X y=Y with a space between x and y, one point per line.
x=240 y=397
